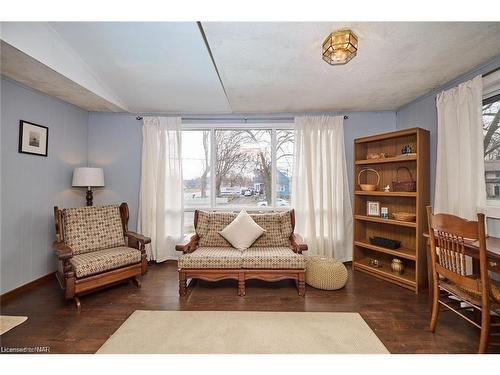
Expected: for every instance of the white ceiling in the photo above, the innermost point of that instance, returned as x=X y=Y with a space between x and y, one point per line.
x=151 y=66
x=264 y=67
x=277 y=67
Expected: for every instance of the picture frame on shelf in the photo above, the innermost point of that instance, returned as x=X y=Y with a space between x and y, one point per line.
x=373 y=208
x=33 y=138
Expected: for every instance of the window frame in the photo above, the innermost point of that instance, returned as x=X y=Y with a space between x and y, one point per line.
x=212 y=128
x=492 y=208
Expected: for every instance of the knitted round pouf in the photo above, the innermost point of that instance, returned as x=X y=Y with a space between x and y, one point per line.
x=325 y=273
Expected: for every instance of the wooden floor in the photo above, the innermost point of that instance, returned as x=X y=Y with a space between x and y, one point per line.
x=397 y=316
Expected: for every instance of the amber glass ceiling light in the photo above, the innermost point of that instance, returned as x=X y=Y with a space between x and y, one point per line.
x=340 y=47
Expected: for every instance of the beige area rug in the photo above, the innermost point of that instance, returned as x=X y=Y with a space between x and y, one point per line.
x=235 y=332
x=8 y=322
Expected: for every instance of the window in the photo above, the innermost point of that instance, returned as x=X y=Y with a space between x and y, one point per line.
x=491 y=129
x=230 y=168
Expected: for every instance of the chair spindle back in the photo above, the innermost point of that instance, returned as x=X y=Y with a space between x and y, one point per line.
x=448 y=234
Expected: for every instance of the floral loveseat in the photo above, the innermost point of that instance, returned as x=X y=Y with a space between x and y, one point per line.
x=276 y=255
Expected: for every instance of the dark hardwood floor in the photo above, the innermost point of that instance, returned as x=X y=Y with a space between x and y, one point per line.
x=398 y=316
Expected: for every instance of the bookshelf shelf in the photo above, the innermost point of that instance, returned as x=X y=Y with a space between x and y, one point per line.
x=376 y=219
x=387 y=194
x=394 y=159
x=384 y=272
x=402 y=252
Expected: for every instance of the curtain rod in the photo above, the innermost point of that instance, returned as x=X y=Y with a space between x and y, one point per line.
x=491 y=72
x=139 y=118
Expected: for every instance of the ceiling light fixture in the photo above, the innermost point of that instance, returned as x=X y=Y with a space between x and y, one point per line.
x=340 y=47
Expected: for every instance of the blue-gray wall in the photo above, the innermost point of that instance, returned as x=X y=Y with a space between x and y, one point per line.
x=32 y=185
x=115 y=144
x=364 y=124
x=422 y=112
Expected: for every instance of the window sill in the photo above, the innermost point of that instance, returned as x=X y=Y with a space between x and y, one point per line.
x=239 y=208
x=491 y=211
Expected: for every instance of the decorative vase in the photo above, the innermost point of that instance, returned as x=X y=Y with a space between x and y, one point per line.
x=397 y=266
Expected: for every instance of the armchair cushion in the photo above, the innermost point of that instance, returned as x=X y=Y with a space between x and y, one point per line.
x=211 y=257
x=104 y=260
x=277 y=225
x=88 y=229
x=272 y=258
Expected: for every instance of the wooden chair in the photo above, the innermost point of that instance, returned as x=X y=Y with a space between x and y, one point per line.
x=448 y=233
x=96 y=249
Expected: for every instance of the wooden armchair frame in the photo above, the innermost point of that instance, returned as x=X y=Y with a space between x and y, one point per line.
x=241 y=274
x=74 y=287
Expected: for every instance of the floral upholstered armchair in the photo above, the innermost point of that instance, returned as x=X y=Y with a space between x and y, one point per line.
x=95 y=248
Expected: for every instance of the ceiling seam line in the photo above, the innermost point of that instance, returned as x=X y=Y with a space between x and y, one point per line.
x=207 y=45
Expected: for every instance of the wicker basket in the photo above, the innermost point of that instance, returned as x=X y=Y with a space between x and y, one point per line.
x=368 y=187
x=404 y=185
x=404 y=216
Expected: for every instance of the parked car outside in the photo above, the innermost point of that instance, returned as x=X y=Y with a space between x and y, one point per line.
x=280 y=202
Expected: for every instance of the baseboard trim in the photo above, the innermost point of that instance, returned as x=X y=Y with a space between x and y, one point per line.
x=26 y=287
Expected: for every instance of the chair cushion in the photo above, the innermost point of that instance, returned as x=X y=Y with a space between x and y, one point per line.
x=93 y=228
x=104 y=260
x=211 y=257
x=278 y=227
x=272 y=258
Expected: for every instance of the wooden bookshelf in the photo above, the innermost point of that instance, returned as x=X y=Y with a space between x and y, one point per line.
x=413 y=249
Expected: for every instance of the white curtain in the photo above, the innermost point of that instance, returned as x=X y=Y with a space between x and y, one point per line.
x=161 y=215
x=460 y=186
x=320 y=189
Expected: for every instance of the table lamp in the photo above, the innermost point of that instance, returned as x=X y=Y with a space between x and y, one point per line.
x=89 y=178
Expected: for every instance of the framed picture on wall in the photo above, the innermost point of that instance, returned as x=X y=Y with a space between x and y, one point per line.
x=33 y=138
x=372 y=208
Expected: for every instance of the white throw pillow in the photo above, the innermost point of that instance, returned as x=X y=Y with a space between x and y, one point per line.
x=242 y=232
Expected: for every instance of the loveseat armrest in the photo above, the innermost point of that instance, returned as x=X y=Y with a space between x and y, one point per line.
x=62 y=251
x=189 y=244
x=297 y=243
x=138 y=237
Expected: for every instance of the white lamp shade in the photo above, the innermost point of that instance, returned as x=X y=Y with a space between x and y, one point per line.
x=88 y=177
